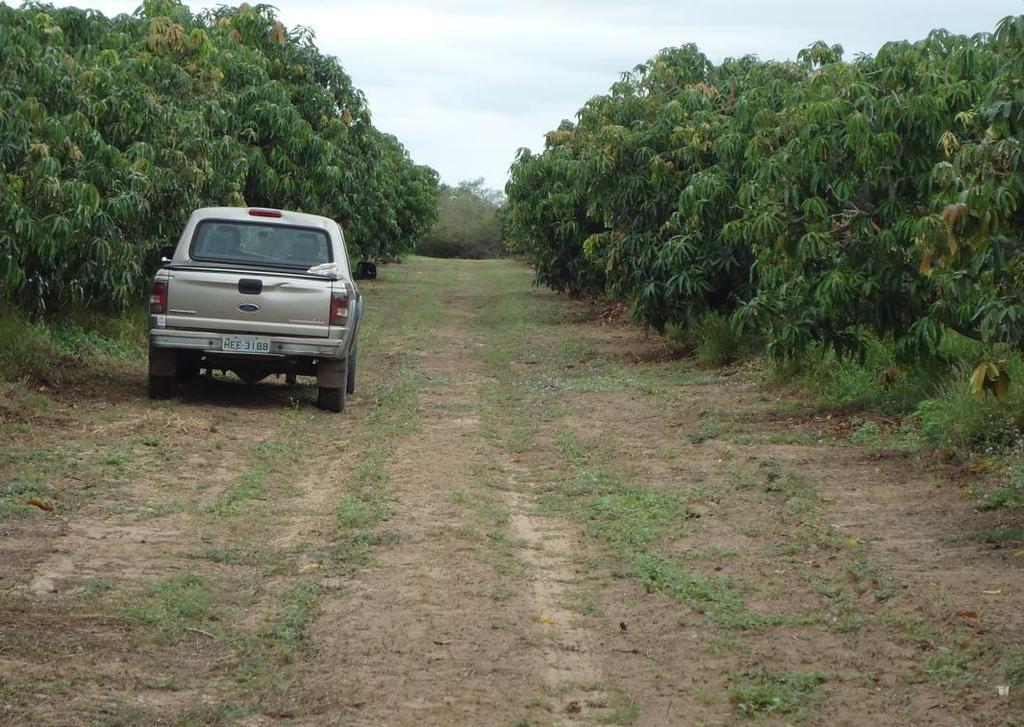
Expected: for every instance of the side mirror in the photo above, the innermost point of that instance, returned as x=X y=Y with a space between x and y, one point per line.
x=166 y=255
x=365 y=271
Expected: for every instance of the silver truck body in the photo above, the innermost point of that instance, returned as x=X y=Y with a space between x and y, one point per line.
x=238 y=295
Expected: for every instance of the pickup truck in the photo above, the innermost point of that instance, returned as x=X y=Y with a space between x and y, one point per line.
x=257 y=292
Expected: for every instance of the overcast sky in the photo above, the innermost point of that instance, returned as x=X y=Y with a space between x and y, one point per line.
x=465 y=83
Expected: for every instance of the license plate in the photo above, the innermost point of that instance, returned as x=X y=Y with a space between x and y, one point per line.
x=245 y=344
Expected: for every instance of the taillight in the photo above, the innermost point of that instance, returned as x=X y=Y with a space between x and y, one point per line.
x=158 y=297
x=264 y=213
x=339 y=309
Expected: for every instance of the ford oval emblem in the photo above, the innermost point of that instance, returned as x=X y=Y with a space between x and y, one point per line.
x=249 y=307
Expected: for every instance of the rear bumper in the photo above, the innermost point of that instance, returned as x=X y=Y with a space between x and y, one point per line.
x=280 y=347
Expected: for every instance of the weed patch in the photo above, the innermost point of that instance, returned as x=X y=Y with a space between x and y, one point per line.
x=175 y=604
x=715 y=598
x=71 y=350
x=765 y=692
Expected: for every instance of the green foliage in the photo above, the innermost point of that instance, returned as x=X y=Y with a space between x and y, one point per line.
x=814 y=201
x=954 y=420
x=875 y=381
x=113 y=130
x=467 y=223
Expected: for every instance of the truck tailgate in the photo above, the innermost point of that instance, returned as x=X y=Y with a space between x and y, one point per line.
x=250 y=301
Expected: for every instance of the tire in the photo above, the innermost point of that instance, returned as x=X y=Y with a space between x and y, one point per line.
x=162 y=387
x=332 y=396
x=290 y=379
x=330 y=399
x=350 y=377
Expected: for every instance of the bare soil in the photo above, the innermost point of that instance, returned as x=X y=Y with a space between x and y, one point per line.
x=466 y=544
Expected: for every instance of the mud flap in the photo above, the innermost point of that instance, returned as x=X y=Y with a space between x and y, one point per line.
x=163 y=361
x=331 y=372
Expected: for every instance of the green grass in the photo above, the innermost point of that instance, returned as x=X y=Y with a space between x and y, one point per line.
x=950 y=666
x=266 y=458
x=932 y=394
x=627 y=714
x=78 y=347
x=634 y=523
x=1008 y=534
x=175 y=604
x=634 y=517
x=716 y=598
x=1013 y=669
x=14 y=497
x=367 y=503
x=290 y=630
x=765 y=692
x=1008 y=492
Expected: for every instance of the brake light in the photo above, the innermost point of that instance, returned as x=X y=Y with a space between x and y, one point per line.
x=339 y=309
x=158 y=297
x=264 y=213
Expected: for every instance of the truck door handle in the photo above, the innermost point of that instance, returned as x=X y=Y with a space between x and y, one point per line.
x=250 y=286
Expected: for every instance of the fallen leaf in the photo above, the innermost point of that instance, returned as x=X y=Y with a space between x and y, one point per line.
x=44 y=506
x=994 y=592
x=853 y=542
x=982 y=465
x=544 y=619
x=967 y=614
x=574 y=708
x=1003 y=690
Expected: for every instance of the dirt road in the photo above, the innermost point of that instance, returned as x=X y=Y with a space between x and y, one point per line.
x=529 y=516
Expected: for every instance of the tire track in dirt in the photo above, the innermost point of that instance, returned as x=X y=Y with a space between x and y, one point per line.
x=922 y=594
x=568 y=650
x=424 y=639
x=125 y=535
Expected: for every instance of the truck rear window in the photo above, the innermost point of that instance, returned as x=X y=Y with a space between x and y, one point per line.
x=254 y=243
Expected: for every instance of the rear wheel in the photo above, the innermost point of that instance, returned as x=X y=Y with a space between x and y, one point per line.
x=162 y=387
x=350 y=378
x=330 y=399
x=331 y=377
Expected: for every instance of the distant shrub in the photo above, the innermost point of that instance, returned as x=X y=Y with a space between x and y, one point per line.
x=467 y=223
